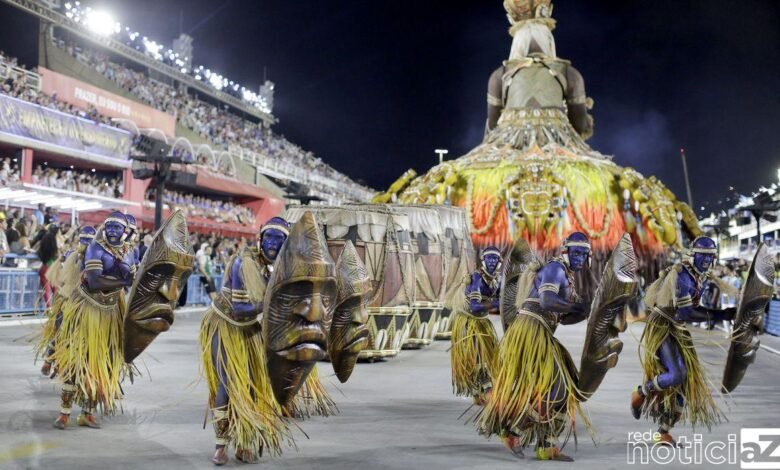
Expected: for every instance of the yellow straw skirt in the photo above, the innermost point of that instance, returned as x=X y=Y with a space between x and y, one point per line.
x=68 y=278
x=312 y=399
x=255 y=418
x=473 y=354
x=89 y=348
x=46 y=338
x=700 y=407
x=535 y=391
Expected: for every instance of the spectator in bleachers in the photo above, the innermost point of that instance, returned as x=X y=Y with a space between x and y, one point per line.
x=79 y=181
x=201 y=206
x=21 y=243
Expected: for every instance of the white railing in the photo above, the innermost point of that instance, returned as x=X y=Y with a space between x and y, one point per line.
x=283 y=169
x=31 y=79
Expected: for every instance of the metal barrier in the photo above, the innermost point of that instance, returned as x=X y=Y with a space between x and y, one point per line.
x=19 y=291
x=196 y=293
x=772 y=321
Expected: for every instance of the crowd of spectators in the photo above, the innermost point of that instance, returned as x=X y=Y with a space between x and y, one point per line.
x=217 y=125
x=67 y=179
x=79 y=181
x=9 y=172
x=17 y=84
x=204 y=207
x=22 y=230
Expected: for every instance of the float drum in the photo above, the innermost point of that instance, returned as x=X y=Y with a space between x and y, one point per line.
x=370 y=227
x=459 y=263
x=427 y=245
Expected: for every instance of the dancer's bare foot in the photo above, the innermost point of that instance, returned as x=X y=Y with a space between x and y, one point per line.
x=637 y=400
x=552 y=453
x=220 y=456
x=665 y=439
x=46 y=368
x=88 y=420
x=62 y=421
x=513 y=445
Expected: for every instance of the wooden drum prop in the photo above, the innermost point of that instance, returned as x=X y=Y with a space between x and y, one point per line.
x=383 y=243
x=459 y=263
x=428 y=298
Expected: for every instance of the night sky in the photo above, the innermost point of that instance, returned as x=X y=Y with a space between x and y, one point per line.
x=374 y=86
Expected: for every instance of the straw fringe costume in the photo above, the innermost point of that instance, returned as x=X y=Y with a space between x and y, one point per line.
x=246 y=414
x=474 y=340
x=89 y=353
x=68 y=278
x=535 y=395
x=675 y=380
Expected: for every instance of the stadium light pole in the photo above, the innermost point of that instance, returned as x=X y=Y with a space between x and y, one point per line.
x=441 y=153
x=687 y=181
x=763 y=204
x=157 y=153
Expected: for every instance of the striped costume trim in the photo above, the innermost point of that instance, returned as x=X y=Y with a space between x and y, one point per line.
x=685 y=301
x=93 y=266
x=275 y=226
x=490 y=251
x=569 y=244
x=121 y=222
x=549 y=287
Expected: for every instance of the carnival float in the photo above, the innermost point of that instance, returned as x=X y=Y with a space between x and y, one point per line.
x=535 y=177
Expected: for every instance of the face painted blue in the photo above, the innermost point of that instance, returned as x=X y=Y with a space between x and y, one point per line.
x=578 y=257
x=85 y=241
x=703 y=261
x=272 y=242
x=114 y=232
x=491 y=263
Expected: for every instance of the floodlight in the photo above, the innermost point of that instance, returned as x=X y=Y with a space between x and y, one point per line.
x=101 y=23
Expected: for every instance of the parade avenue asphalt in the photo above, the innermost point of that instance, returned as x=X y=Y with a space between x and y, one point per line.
x=395 y=414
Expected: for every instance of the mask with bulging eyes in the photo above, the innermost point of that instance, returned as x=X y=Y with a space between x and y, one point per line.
x=348 y=331
x=300 y=297
x=166 y=267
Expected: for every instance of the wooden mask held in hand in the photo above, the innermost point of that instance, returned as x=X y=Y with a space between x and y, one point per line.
x=348 y=331
x=164 y=271
x=300 y=297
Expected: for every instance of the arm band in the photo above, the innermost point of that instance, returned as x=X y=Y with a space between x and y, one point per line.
x=493 y=101
x=548 y=287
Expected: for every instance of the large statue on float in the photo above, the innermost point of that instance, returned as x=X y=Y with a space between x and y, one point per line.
x=534 y=176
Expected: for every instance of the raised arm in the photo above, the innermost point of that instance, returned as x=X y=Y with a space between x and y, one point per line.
x=96 y=262
x=552 y=280
x=687 y=312
x=474 y=297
